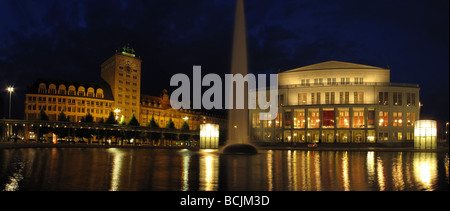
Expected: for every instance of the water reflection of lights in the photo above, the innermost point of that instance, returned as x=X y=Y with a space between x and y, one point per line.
x=317 y=172
x=185 y=174
x=345 y=171
x=380 y=174
x=425 y=165
x=397 y=173
x=269 y=170
x=116 y=168
x=289 y=167
x=370 y=163
x=446 y=162
x=13 y=184
x=295 y=170
x=209 y=174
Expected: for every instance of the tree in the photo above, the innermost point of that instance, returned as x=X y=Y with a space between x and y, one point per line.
x=154 y=136
x=152 y=123
x=185 y=128
x=111 y=119
x=62 y=117
x=171 y=126
x=39 y=129
x=88 y=118
x=42 y=116
x=133 y=121
x=60 y=131
x=133 y=134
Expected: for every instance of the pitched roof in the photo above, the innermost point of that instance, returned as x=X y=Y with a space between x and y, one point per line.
x=102 y=85
x=153 y=101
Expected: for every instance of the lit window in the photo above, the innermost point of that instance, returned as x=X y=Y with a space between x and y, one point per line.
x=383 y=119
x=358 y=119
x=344 y=119
x=314 y=119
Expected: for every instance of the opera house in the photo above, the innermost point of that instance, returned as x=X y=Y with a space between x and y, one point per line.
x=340 y=102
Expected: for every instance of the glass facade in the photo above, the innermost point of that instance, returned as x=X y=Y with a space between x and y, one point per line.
x=335 y=125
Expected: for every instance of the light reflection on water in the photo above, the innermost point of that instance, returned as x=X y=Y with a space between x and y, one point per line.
x=184 y=170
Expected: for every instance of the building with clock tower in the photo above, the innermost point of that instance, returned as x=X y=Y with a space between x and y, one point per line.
x=119 y=92
x=122 y=72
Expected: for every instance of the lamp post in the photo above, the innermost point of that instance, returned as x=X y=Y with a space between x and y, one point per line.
x=446 y=131
x=10 y=90
x=116 y=112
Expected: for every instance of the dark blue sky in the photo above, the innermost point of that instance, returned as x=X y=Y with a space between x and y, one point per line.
x=70 y=39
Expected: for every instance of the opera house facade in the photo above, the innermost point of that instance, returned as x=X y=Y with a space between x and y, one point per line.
x=340 y=102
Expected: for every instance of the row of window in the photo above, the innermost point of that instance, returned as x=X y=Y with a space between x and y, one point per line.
x=127 y=82
x=344 y=98
x=68 y=109
x=121 y=67
x=332 y=81
x=81 y=91
x=128 y=75
x=120 y=102
x=126 y=89
x=330 y=98
x=299 y=136
x=299 y=119
x=54 y=100
x=397 y=97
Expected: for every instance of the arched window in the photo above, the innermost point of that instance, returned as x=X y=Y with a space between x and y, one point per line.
x=100 y=93
x=72 y=90
x=62 y=89
x=52 y=89
x=42 y=88
x=81 y=91
x=90 y=92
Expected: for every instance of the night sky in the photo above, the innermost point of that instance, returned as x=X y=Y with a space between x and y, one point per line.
x=70 y=39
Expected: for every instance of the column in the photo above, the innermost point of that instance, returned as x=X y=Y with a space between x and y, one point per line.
x=336 y=115
x=351 y=116
x=320 y=124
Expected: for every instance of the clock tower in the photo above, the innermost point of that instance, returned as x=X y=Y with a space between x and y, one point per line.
x=122 y=72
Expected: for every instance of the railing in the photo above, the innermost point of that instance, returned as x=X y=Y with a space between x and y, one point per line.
x=349 y=84
x=93 y=126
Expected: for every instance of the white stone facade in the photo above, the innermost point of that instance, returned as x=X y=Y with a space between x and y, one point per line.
x=339 y=102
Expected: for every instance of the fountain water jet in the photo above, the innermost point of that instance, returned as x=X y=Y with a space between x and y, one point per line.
x=238 y=119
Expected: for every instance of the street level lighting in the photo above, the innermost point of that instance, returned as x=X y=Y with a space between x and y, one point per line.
x=10 y=90
x=446 y=131
x=117 y=111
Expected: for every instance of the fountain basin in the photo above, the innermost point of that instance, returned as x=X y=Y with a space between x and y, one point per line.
x=240 y=149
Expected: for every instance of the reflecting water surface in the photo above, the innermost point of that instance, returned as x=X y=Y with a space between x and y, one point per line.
x=113 y=169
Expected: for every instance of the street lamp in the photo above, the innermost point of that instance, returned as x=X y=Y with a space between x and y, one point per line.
x=117 y=111
x=446 y=131
x=10 y=90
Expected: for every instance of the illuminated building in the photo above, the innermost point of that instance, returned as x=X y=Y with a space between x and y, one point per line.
x=209 y=136
x=340 y=102
x=118 y=92
x=425 y=134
